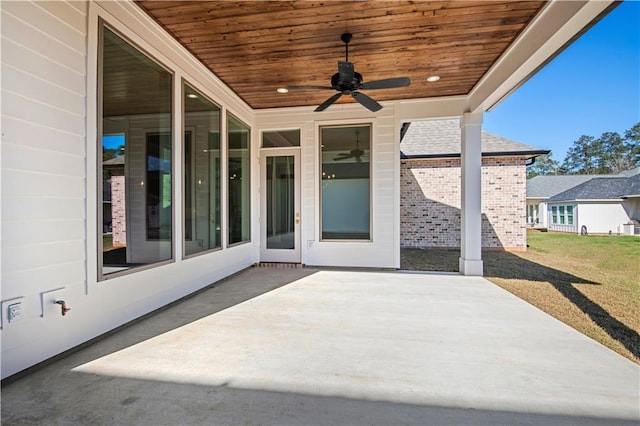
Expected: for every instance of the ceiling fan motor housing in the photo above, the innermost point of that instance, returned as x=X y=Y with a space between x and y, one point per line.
x=347 y=86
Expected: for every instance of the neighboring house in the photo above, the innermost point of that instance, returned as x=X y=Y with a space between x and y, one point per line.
x=430 y=187
x=221 y=173
x=607 y=203
x=541 y=188
x=600 y=205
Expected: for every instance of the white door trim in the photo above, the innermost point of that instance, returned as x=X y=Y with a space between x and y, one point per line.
x=280 y=255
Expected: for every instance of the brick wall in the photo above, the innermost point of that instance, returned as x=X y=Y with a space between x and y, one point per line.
x=430 y=203
x=118 y=208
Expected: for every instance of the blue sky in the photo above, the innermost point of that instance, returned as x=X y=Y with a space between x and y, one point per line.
x=592 y=87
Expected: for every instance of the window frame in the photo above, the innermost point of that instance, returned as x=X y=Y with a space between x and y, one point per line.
x=103 y=24
x=320 y=180
x=221 y=190
x=563 y=214
x=554 y=215
x=226 y=177
x=288 y=129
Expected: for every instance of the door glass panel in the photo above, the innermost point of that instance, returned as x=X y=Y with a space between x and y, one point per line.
x=280 y=203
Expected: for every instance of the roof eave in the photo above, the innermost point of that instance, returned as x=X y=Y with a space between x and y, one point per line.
x=484 y=154
x=590 y=200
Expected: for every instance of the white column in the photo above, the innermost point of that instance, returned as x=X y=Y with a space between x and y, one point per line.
x=471 y=211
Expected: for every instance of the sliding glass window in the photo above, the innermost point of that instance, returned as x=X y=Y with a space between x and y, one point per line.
x=239 y=181
x=135 y=157
x=346 y=188
x=202 y=227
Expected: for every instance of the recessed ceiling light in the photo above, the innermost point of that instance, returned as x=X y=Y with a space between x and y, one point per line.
x=433 y=78
x=282 y=90
x=192 y=95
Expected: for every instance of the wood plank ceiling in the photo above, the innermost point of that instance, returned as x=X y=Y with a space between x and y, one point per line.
x=255 y=47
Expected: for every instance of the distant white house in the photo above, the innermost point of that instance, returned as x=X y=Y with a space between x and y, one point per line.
x=597 y=204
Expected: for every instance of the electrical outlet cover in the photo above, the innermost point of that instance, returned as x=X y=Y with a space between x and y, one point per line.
x=17 y=304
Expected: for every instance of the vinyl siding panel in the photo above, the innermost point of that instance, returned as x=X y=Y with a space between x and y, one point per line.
x=43 y=165
x=42 y=66
x=601 y=218
x=49 y=179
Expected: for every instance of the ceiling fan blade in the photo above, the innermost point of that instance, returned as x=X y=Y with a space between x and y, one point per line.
x=328 y=102
x=342 y=157
x=387 y=83
x=308 y=87
x=366 y=102
x=346 y=71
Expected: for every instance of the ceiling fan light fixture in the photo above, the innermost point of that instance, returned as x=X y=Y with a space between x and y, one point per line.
x=282 y=90
x=433 y=78
x=192 y=96
x=349 y=82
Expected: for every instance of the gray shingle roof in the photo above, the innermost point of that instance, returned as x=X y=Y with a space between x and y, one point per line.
x=632 y=188
x=548 y=186
x=543 y=187
x=597 y=188
x=630 y=172
x=441 y=138
x=115 y=161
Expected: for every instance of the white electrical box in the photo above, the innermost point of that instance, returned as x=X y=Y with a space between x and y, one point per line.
x=48 y=305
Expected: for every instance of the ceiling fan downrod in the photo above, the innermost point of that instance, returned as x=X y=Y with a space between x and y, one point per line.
x=346 y=38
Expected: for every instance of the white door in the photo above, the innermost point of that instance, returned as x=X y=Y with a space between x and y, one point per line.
x=280 y=205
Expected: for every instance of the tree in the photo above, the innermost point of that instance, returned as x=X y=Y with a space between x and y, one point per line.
x=632 y=144
x=613 y=157
x=582 y=156
x=542 y=166
x=109 y=153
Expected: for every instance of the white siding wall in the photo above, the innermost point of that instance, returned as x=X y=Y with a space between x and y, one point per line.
x=383 y=250
x=632 y=207
x=600 y=218
x=49 y=179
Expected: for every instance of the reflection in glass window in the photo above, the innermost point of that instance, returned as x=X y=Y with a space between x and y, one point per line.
x=346 y=187
x=202 y=229
x=135 y=157
x=239 y=171
x=280 y=188
x=281 y=138
x=158 y=186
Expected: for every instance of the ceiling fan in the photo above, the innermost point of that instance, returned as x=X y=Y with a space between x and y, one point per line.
x=348 y=82
x=356 y=153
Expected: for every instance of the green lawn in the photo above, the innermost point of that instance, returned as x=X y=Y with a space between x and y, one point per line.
x=107 y=242
x=591 y=283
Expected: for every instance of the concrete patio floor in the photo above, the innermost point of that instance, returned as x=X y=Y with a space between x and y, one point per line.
x=323 y=347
